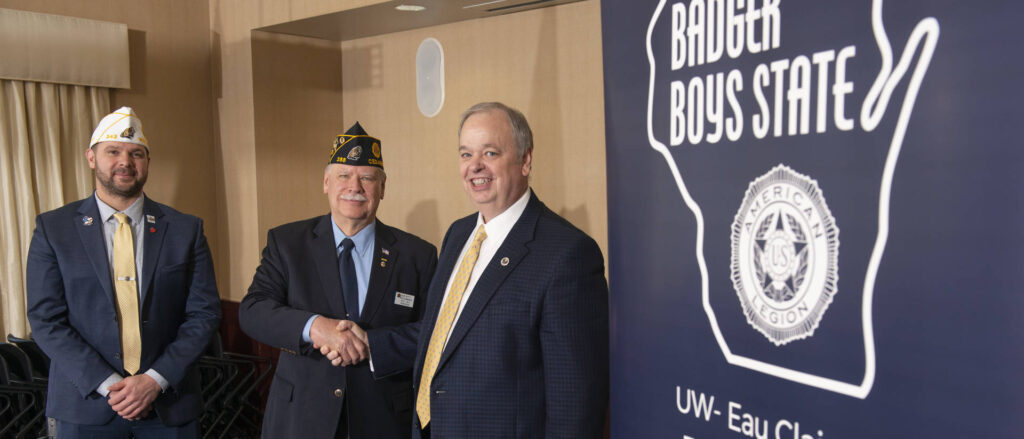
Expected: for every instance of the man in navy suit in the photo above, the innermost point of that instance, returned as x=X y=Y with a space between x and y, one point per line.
x=102 y=384
x=514 y=342
x=341 y=288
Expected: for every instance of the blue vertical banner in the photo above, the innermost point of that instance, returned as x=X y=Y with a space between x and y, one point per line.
x=816 y=218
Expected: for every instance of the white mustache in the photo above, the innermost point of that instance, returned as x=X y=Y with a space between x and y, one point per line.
x=353 y=197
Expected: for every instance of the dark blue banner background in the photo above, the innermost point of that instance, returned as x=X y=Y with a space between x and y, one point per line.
x=940 y=325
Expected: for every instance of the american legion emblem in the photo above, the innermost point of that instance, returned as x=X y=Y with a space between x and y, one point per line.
x=355 y=153
x=785 y=250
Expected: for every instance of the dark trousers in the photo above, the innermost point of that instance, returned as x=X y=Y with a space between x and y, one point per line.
x=342 y=431
x=120 y=428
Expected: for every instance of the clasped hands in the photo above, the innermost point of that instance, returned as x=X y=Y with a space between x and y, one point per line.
x=342 y=341
x=132 y=398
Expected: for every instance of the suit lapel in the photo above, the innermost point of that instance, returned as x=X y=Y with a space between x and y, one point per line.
x=450 y=250
x=325 y=256
x=514 y=248
x=90 y=230
x=153 y=241
x=445 y=266
x=382 y=266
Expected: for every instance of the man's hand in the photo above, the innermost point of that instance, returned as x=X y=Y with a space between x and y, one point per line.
x=336 y=357
x=133 y=397
x=342 y=341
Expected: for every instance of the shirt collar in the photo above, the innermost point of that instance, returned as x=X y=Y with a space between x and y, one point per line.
x=134 y=211
x=363 y=239
x=502 y=224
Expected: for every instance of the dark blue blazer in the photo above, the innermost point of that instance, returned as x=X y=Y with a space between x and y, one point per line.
x=528 y=356
x=297 y=278
x=73 y=310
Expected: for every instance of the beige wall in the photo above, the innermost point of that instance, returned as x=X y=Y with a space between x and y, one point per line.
x=297 y=95
x=170 y=72
x=241 y=121
x=231 y=25
x=169 y=44
x=545 y=62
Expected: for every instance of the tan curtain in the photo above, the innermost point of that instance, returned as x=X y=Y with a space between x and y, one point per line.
x=44 y=131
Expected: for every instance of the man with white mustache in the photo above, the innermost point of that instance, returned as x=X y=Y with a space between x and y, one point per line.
x=341 y=289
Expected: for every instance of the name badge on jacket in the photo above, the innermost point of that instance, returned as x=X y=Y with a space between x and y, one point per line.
x=403 y=299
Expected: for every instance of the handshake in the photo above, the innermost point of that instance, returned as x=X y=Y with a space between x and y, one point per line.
x=342 y=341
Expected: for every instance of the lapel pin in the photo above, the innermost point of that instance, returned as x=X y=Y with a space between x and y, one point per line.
x=383 y=262
x=385 y=251
x=87 y=221
x=504 y=261
x=151 y=219
x=152 y=230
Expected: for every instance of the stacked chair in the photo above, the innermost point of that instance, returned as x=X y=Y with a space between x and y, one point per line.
x=231 y=385
x=39 y=361
x=22 y=390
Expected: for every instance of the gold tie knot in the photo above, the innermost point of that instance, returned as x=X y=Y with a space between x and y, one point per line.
x=481 y=235
x=121 y=218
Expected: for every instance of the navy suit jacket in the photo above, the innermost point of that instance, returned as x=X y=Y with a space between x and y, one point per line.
x=73 y=310
x=528 y=356
x=297 y=278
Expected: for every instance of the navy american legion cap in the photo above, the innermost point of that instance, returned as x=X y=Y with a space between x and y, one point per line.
x=357 y=148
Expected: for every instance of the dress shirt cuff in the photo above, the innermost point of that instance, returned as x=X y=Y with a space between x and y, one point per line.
x=103 y=389
x=305 y=329
x=159 y=379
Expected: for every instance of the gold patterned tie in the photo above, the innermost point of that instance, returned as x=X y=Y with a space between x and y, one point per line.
x=127 y=294
x=444 y=324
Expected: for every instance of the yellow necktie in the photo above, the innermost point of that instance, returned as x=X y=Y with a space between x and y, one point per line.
x=127 y=295
x=444 y=324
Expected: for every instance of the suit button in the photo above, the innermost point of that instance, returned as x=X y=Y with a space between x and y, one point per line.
x=118 y=356
x=338 y=392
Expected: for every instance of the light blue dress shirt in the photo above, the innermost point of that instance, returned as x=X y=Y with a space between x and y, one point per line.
x=362 y=258
x=134 y=213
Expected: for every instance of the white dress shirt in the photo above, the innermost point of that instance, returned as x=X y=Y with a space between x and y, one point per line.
x=497 y=230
